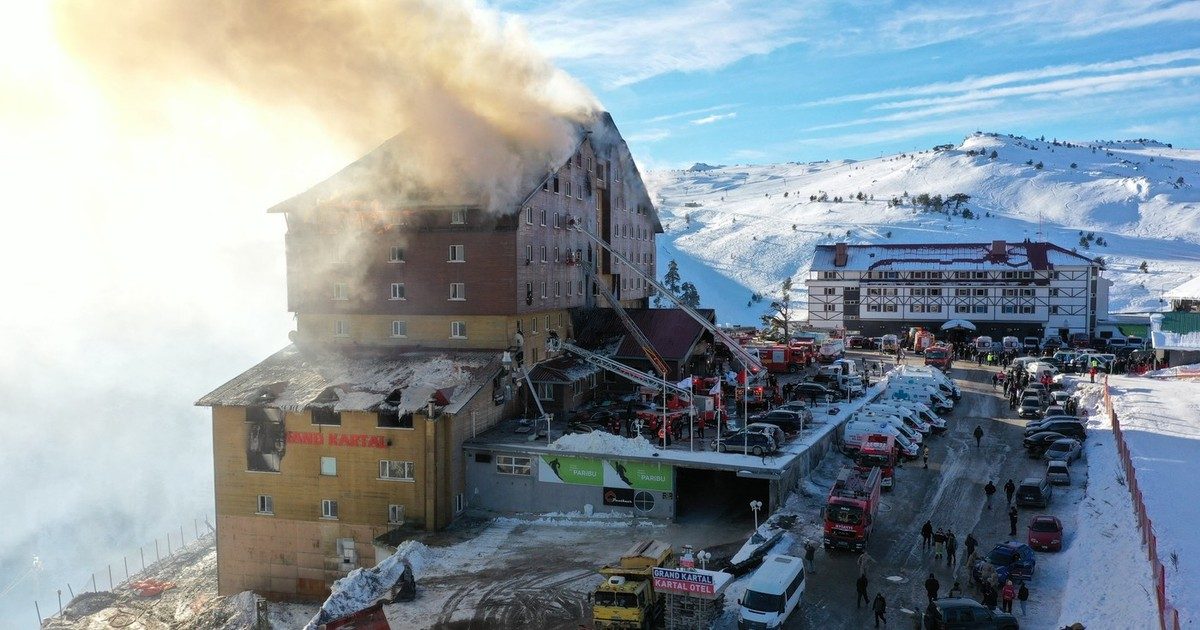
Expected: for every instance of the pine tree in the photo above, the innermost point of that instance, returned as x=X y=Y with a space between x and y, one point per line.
x=671 y=280
x=689 y=295
x=778 y=318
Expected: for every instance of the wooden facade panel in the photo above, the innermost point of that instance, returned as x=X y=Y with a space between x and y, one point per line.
x=430 y=331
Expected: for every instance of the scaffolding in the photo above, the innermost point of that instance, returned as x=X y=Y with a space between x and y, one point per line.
x=688 y=612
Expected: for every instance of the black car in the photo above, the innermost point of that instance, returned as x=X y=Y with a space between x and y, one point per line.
x=789 y=421
x=751 y=443
x=1037 y=443
x=814 y=392
x=964 y=613
x=1052 y=344
x=1031 y=407
x=1034 y=492
x=1069 y=428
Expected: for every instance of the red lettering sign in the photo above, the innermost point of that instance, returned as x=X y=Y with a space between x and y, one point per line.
x=336 y=439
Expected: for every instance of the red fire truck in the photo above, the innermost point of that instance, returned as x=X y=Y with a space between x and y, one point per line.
x=789 y=359
x=878 y=451
x=850 y=508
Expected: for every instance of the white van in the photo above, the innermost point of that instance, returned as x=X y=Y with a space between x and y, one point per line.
x=923 y=392
x=856 y=431
x=896 y=421
x=774 y=591
x=909 y=416
x=945 y=383
x=923 y=412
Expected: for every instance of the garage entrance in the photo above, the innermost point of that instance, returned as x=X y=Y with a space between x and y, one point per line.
x=705 y=495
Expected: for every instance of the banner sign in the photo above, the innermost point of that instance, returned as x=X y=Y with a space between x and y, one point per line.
x=336 y=439
x=620 y=497
x=684 y=582
x=639 y=475
x=574 y=470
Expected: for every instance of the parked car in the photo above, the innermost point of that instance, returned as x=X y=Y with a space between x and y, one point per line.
x=815 y=392
x=1052 y=344
x=1064 y=450
x=1069 y=428
x=1011 y=559
x=1046 y=533
x=1037 y=443
x=789 y=421
x=800 y=408
x=748 y=442
x=1048 y=418
x=1060 y=398
x=953 y=613
x=1137 y=343
x=769 y=430
x=1054 y=410
x=1031 y=407
x=1031 y=345
x=857 y=342
x=1034 y=492
x=1058 y=472
x=1041 y=390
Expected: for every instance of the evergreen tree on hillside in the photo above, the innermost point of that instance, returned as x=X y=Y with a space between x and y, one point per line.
x=777 y=319
x=689 y=295
x=671 y=280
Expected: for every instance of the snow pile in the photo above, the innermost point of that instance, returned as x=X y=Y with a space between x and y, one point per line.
x=578 y=519
x=1179 y=371
x=604 y=443
x=364 y=587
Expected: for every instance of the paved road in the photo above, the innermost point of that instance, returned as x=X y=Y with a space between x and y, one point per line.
x=949 y=493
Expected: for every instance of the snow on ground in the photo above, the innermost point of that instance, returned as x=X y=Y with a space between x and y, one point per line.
x=1108 y=579
x=604 y=442
x=1161 y=421
x=737 y=222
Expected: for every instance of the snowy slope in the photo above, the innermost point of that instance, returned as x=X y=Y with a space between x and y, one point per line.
x=734 y=232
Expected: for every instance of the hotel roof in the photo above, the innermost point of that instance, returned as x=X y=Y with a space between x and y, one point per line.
x=1028 y=255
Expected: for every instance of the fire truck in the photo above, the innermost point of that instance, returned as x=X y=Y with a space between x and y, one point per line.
x=789 y=359
x=878 y=451
x=850 y=508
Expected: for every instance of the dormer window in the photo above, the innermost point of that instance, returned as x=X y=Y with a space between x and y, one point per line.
x=458 y=217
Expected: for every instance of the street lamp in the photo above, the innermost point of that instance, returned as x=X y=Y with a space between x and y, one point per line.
x=755 y=506
x=703 y=557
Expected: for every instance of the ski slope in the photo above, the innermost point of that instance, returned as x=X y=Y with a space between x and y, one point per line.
x=737 y=230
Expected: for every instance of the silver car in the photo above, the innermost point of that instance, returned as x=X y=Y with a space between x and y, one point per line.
x=1066 y=450
x=1058 y=473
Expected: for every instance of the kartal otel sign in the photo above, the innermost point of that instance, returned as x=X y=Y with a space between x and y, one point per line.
x=336 y=439
x=685 y=582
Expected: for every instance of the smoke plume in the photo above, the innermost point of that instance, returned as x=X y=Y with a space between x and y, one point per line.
x=475 y=108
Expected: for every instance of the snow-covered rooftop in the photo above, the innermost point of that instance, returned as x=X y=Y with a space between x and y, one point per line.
x=1026 y=255
x=357 y=380
x=1164 y=340
x=1189 y=290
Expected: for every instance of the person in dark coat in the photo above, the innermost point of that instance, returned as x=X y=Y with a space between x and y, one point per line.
x=1012 y=520
x=926 y=535
x=951 y=548
x=1023 y=596
x=989 y=490
x=880 y=608
x=862 y=592
x=931 y=587
x=970 y=543
x=1009 y=489
x=978 y=433
x=990 y=596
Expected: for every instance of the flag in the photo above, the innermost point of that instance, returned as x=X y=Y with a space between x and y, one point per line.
x=685 y=384
x=716 y=388
x=741 y=377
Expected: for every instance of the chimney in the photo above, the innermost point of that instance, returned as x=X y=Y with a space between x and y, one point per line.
x=840 y=255
x=999 y=251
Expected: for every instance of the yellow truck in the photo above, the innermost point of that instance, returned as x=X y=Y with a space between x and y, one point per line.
x=626 y=598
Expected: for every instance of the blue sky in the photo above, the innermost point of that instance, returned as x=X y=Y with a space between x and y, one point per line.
x=738 y=81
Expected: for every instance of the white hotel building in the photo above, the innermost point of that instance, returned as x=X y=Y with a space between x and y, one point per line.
x=1020 y=289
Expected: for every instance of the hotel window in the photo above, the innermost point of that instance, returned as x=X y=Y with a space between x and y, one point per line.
x=918 y=292
x=578 y=160
x=266 y=504
x=980 y=275
x=545 y=391
x=1010 y=275
x=399 y=328
x=1008 y=309
x=916 y=308
x=543 y=253
x=543 y=290
x=458 y=253
x=341 y=328
x=557 y=289
x=980 y=308
x=547 y=322
x=1027 y=292
x=392 y=469
x=1026 y=309
x=543 y=216
x=889 y=308
x=529 y=214
x=962 y=275
x=566 y=189
x=1054 y=292
x=458 y=291
x=557 y=220
x=458 y=217
x=557 y=256
x=579 y=286
x=512 y=465
x=329 y=466
x=587 y=164
x=962 y=293
x=397 y=291
x=528 y=254
x=554 y=185
x=873 y=308
x=395 y=514
x=935 y=275
x=934 y=292
x=396 y=254
x=830 y=291
x=1054 y=310
x=1010 y=293
x=458 y=330
x=933 y=308
x=460 y=503
x=1026 y=275
x=962 y=308
x=981 y=292
x=329 y=509
x=570 y=288
x=533 y=326
x=919 y=275
x=873 y=292
x=341 y=291
x=830 y=307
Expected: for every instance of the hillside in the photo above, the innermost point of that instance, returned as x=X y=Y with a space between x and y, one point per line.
x=740 y=230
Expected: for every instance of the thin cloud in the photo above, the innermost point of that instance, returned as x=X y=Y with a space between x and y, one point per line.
x=649 y=135
x=691 y=112
x=928 y=112
x=708 y=120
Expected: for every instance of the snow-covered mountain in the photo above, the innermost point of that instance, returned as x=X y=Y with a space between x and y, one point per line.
x=740 y=230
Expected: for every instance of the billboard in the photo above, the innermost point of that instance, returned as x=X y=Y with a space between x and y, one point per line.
x=693 y=582
x=639 y=475
x=574 y=470
x=619 y=497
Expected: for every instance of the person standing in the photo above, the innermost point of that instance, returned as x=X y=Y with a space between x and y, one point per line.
x=956 y=590
x=972 y=557
x=995 y=381
x=810 y=556
x=1007 y=594
x=989 y=490
x=864 y=562
x=880 y=608
x=925 y=456
x=926 y=535
x=1009 y=489
x=939 y=544
x=951 y=549
x=1023 y=596
x=931 y=587
x=1012 y=520
x=978 y=433
x=970 y=543
x=862 y=592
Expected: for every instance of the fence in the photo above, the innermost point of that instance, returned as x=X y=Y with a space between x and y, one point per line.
x=163 y=549
x=1168 y=616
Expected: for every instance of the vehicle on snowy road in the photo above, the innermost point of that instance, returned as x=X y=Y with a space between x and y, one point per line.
x=1046 y=533
x=1058 y=472
x=773 y=592
x=1064 y=450
x=1037 y=443
x=1034 y=492
x=1030 y=407
x=964 y=613
x=1012 y=559
x=1069 y=427
x=748 y=442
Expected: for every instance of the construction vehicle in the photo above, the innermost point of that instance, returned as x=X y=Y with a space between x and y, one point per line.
x=626 y=598
x=851 y=507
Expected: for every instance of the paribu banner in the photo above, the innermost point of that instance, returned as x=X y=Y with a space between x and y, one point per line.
x=573 y=470
x=639 y=475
